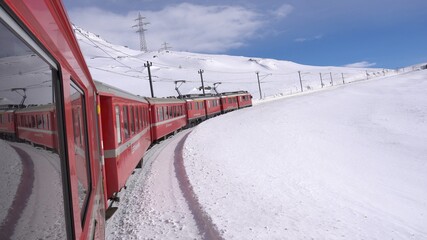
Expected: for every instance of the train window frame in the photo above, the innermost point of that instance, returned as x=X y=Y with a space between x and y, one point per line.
x=84 y=132
x=126 y=122
x=117 y=124
x=141 y=119
x=132 y=120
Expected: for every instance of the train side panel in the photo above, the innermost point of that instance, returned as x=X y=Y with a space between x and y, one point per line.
x=228 y=103
x=244 y=100
x=167 y=116
x=213 y=106
x=7 y=124
x=195 y=111
x=37 y=125
x=126 y=137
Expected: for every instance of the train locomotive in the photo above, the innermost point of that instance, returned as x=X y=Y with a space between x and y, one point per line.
x=97 y=133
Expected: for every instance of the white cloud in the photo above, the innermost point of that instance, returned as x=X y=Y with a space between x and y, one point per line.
x=185 y=26
x=283 y=11
x=303 y=39
x=363 y=64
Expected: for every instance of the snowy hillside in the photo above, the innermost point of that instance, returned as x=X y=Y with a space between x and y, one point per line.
x=345 y=163
x=349 y=163
x=124 y=68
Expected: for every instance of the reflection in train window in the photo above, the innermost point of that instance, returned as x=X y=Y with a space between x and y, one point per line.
x=81 y=156
x=119 y=136
x=31 y=194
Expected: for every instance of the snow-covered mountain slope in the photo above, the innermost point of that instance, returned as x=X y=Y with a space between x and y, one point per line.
x=124 y=68
x=349 y=163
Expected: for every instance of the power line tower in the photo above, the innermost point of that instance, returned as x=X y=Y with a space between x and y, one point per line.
x=141 y=30
x=165 y=47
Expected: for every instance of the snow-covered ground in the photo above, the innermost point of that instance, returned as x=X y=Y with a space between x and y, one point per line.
x=10 y=173
x=347 y=163
x=32 y=205
x=344 y=163
x=153 y=205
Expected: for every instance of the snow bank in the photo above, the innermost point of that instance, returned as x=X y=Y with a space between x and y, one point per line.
x=344 y=163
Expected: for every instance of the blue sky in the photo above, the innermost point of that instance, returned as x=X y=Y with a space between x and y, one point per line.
x=377 y=33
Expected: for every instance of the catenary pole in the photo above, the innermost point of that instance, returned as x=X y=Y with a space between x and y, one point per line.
x=259 y=85
x=300 y=81
x=148 y=65
x=201 y=78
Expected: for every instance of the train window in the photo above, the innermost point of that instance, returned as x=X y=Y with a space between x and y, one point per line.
x=139 y=118
x=125 y=122
x=136 y=118
x=118 y=133
x=143 y=117
x=146 y=118
x=32 y=200
x=132 y=120
x=81 y=156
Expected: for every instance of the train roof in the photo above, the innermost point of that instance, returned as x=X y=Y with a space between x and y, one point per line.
x=104 y=89
x=190 y=97
x=236 y=93
x=39 y=108
x=164 y=100
x=7 y=110
x=5 y=107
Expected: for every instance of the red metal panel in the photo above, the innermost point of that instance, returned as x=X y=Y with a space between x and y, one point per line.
x=163 y=122
x=228 y=103
x=244 y=100
x=122 y=157
x=213 y=106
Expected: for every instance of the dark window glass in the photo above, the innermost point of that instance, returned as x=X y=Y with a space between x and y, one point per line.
x=132 y=120
x=125 y=122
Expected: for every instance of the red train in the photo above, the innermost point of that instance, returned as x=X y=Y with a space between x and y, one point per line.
x=98 y=134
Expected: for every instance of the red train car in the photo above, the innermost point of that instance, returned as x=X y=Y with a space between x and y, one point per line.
x=195 y=109
x=7 y=124
x=63 y=191
x=126 y=134
x=37 y=125
x=168 y=115
x=228 y=102
x=244 y=99
x=213 y=105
